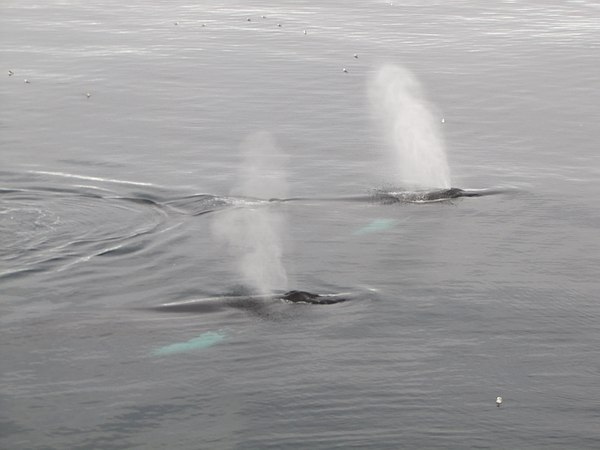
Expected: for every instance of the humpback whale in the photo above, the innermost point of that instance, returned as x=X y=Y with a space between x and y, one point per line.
x=399 y=195
x=393 y=196
x=313 y=299
x=251 y=303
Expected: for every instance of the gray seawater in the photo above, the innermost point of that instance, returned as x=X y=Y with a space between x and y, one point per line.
x=101 y=220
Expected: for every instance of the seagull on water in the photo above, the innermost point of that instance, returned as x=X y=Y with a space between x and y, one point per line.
x=498 y=401
x=345 y=70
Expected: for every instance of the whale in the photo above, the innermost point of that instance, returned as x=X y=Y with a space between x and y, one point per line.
x=200 y=204
x=427 y=196
x=314 y=299
x=257 y=303
x=399 y=195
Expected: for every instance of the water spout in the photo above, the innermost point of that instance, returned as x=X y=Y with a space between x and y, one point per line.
x=253 y=234
x=416 y=143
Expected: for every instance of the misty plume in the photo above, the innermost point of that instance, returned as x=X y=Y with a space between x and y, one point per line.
x=413 y=131
x=253 y=232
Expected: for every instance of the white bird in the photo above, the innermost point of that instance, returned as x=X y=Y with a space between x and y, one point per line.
x=443 y=120
x=26 y=80
x=304 y=31
x=279 y=25
x=498 y=401
x=88 y=95
x=356 y=55
x=345 y=70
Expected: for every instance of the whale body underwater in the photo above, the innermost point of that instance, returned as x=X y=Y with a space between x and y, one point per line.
x=428 y=196
x=399 y=195
x=199 y=204
x=252 y=303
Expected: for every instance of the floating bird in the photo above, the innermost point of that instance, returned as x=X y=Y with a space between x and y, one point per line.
x=279 y=25
x=249 y=19
x=498 y=401
x=304 y=31
x=264 y=17
x=88 y=95
x=356 y=55
x=176 y=23
x=345 y=70
x=10 y=73
x=443 y=120
x=203 y=24
x=26 y=80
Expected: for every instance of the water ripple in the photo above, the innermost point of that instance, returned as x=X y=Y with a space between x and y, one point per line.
x=47 y=226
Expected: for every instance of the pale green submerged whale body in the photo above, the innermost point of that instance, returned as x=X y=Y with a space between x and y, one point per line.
x=377 y=226
x=203 y=341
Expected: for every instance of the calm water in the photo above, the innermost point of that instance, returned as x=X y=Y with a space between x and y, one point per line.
x=455 y=303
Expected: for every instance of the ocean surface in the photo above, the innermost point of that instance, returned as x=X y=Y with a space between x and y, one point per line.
x=140 y=145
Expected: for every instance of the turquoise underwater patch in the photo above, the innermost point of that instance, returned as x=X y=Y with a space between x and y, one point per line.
x=376 y=226
x=205 y=340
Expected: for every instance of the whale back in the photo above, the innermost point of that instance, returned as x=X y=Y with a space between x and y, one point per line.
x=313 y=299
